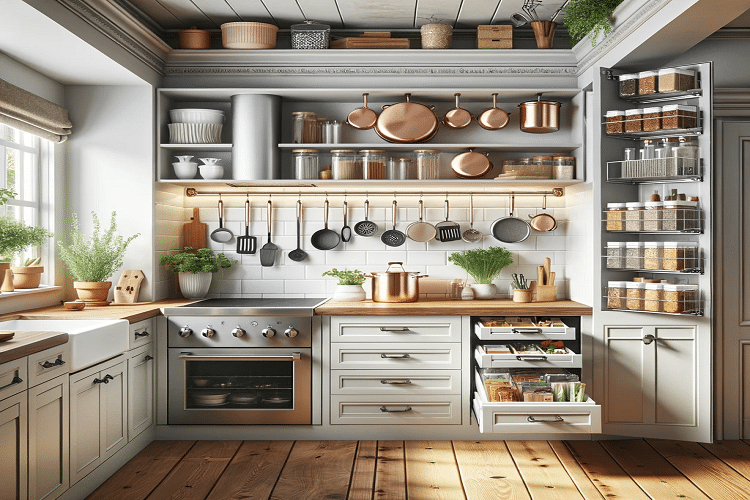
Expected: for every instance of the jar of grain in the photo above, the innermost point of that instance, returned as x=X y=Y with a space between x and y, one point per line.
x=616 y=216
x=428 y=163
x=653 y=297
x=437 y=36
x=633 y=120
x=345 y=164
x=676 y=79
x=564 y=167
x=652 y=254
x=680 y=299
x=306 y=164
x=680 y=255
x=615 y=254
x=634 y=253
x=615 y=122
x=647 y=82
x=676 y=116
x=616 y=294
x=636 y=293
x=652 y=216
x=304 y=124
x=680 y=215
x=634 y=216
x=628 y=84
x=373 y=164
x=651 y=119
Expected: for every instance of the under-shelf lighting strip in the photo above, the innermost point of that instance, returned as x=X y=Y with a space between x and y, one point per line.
x=192 y=192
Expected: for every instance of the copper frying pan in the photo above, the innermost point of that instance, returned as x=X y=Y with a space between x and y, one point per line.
x=407 y=122
x=457 y=117
x=493 y=118
x=362 y=118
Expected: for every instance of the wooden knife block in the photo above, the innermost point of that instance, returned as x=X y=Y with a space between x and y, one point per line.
x=546 y=293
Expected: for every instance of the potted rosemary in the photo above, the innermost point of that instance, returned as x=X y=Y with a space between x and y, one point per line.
x=349 y=287
x=484 y=265
x=195 y=269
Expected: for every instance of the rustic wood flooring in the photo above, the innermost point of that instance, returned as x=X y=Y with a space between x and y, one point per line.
x=439 y=470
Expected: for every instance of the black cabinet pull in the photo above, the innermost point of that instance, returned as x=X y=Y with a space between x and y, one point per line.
x=144 y=333
x=388 y=410
x=16 y=380
x=104 y=380
x=148 y=357
x=57 y=362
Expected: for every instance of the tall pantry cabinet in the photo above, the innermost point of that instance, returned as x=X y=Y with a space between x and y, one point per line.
x=653 y=359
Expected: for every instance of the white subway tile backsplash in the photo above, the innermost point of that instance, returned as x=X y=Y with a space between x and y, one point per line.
x=262 y=286
x=551 y=243
x=304 y=286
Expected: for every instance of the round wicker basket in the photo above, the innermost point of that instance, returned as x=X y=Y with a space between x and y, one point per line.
x=248 y=35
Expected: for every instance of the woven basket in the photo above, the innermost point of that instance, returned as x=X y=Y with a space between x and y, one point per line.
x=248 y=36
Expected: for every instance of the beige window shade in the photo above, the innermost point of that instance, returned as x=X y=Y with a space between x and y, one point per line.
x=28 y=112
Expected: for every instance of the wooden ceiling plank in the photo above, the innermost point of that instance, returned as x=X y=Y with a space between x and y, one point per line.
x=160 y=15
x=324 y=11
x=444 y=11
x=250 y=10
x=187 y=13
x=284 y=12
x=217 y=11
x=385 y=14
x=476 y=12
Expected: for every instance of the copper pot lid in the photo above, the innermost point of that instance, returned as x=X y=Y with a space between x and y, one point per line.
x=362 y=118
x=493 y=118
x=471 y=164
x=407 y=122
x=457 y=117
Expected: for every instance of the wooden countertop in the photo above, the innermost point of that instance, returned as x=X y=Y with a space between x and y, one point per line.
x=131 y=312
x=25 y=343
x=498 y=307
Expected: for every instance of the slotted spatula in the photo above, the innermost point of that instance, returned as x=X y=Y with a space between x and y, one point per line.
x=247 y=244
x=448 y=230
x=268 y=251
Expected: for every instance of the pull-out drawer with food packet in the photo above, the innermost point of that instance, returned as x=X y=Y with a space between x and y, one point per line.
x=396 y=382
x=396 y=409
x=396 y=329
x=523 y=328
x=526 y=355
x=393 y=355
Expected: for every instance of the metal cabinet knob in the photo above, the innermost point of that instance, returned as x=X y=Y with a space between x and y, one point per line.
x=291 y=332
x=647 y=339
x=208 y=332
x=268 y=331
x=185 y=331
x=238 y=332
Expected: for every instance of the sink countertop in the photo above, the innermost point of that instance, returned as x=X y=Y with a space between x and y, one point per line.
x=131 y=312
x=438 y=307
x=26 y=343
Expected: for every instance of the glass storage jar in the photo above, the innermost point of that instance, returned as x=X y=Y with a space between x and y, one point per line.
x=428 y=163
x=634 y=252
x=401 y=169
x=306 y=164
x=680 y=215
x=687 y=158
x=304 y=124
x=628 y=84
x=680 y=255
x=345 y=164
x=653 y=215
x=373 y=164
x=676 y=80
x=652 y=254
x=634 y=120
x=615 y=254
x=651 y=119
x=616 y=216
x=616 y=294
x=674 y=116
x=680 y=299
x=647 y=82
x=653 y=296
x=615 y=122
x=636 y=292
x=564 y=167
x=634 y=215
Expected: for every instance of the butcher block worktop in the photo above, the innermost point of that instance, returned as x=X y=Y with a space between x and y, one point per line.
x=427 y=307
x=131 y=312
x=26 y=343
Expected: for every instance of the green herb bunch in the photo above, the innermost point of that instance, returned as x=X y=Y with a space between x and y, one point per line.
x=589 y=17
x=353 y=277
x=96 y=258
x=482 y=264
x=15 y=235
x=202 y=261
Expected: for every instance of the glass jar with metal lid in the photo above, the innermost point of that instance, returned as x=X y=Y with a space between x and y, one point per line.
x=401 y=169
x=345 y=164
x=304 y=125
x=310 y=35
x=306 y=163
x=428 y=163
x=373 y=164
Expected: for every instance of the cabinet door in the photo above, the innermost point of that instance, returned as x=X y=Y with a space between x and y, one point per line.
x=13 y=449
x=113 y=410
x=85 y=401
x=140 y=390
x=48 y=439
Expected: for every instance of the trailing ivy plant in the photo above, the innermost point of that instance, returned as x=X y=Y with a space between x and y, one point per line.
x=589 y=17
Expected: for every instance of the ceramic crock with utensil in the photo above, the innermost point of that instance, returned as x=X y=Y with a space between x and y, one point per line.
x=395 y=284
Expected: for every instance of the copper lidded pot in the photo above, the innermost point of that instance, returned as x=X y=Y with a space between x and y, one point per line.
x=395 y=284
x=540 y=117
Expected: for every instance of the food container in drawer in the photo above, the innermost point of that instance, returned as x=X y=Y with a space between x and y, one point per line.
x=497 y=357
x=396 y=409
x=396 y=329
x=390 y=356
x=13 y=377
x=396 y=382
x=522 y=328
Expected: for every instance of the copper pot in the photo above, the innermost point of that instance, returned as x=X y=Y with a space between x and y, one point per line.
x=395 y=285
x=407 y=122
x=540 y=117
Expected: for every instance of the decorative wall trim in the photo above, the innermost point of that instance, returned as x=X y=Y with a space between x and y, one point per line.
x=731 y=34
x=732 y=102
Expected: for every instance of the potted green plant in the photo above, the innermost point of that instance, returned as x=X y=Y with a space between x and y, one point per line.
x=195 y=269
x=350 y=283
x=484 y=265
x=93 y=260
x=589 y=17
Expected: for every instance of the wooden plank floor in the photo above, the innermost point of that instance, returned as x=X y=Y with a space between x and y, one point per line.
x=434 y=470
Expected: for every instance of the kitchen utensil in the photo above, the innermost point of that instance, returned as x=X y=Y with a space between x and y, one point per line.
x=540 y=117
x=325 y=239
x=362 y=118
x=298 y=255
x=247 y=244
x=395 y=285
x=510 y=229
x=543 y=222
x=194 y=232
x=366 y=227
x=544 y=32
x=457 y=117
x=221 y=234
x=557 y=12
x=448 y=230
x=518 y=19
x=346 y=231
x=268 y=251
x=407 y=122
x=421 y=231
x=493 y=118
x=547 y=266
x=471 y=164
x=393 y=237
x=471 y=235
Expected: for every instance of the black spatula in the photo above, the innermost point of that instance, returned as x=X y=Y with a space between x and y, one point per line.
x=247 y=244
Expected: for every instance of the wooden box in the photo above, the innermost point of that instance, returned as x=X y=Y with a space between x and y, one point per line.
x=495 y=37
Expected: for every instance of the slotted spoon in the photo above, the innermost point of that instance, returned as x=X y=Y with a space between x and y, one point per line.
x=366 y=227
x=393 y=237
x=471 y=235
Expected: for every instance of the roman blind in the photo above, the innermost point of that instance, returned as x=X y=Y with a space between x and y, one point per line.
x=25 y=111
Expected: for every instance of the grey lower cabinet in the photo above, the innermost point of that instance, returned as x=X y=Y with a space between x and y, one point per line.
x=141 y=392
x=13 y=447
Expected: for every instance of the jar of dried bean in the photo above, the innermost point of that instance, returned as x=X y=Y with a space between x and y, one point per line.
x=615 y=122
x=616 y=294
x=653 y=297
x=652 y=254
x=675 y=116
x=651 y=119
x=633 y=120
x=680 y=255
x=636 y=293
x=628 y=84
x=373 y=164
x=647 y=82
x=680 y=298
x=615 y=254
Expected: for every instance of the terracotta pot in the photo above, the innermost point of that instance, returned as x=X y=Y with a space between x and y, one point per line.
x=3 y=267
x=93 y=292
x=27 y=276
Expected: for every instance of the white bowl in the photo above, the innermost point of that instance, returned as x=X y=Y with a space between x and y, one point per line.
x=185 y=170
x=212 y=171
x=210 y=161
x=195 y=115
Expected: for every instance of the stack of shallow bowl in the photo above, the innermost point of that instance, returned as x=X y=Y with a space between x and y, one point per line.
x=211 y=398
x=195 y=126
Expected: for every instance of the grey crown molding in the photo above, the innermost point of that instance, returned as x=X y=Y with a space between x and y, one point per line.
x=732 y=102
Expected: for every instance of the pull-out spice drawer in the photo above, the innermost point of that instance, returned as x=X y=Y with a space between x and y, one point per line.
x=396 y=409
x=396 y=329
x=396 y=382
x=525 y=360
x=446 y=356
x=522 y=328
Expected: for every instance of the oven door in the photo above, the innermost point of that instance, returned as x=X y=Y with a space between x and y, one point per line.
x=240 y=386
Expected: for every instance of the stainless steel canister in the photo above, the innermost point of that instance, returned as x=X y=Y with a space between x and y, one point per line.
x=256 y=132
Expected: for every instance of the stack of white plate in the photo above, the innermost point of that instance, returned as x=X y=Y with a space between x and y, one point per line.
x=211 y=398
x=244 y=398
x=195 y=126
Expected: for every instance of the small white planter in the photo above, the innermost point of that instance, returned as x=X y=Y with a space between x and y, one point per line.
x=194 y=285
x=349 y=293
x=484 y=291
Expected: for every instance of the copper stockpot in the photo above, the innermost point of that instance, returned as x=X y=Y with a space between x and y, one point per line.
x=395 y=285
x=540 y=117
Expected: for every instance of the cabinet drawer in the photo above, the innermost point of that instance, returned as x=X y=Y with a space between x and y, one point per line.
x=48 y=364
x=396 y=382
x=485 y=360
x=396 y=409
x=395 y=356
x=522 y=329
x=396 y=329
x=13 y=377
x=141 y=333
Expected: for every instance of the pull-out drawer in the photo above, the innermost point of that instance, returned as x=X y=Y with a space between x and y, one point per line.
x=395 y=356
x=48 y=364
x=396 y=409
x=13 y=378
x=396 y=329
x=396 y=382
x=523 y=328
x=524 y=360
x=141 y=333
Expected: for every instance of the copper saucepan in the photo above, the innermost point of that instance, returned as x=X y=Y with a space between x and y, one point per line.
x=362 y=118
x=540 y=117
x=457 y=117
x=493 y=118
x=407 y=122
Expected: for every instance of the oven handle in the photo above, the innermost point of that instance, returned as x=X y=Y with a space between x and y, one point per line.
x=295 y=356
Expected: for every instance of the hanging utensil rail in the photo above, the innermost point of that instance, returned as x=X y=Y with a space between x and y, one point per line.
x=192 y=192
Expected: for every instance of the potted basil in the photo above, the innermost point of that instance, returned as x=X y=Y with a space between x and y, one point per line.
x=484 y=265
x=195 y=269
x=349 y=287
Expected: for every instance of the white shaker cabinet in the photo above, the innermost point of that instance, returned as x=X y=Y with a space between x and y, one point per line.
x=140 y=389
x=13 y=450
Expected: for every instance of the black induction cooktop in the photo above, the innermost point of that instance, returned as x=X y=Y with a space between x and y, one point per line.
x=301 y=306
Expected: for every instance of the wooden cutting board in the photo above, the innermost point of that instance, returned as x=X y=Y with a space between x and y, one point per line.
x=128 y=287
x=194 y=232
x=360 y=42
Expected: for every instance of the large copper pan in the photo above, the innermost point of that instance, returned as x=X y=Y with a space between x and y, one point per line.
x=407 y=122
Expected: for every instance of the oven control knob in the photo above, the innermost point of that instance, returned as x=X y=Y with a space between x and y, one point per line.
x=268 y=331
x=238 y=332
x=185 y=331
x=291 y=332
x=208 y=332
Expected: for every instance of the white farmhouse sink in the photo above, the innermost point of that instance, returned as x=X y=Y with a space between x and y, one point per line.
x=90 y=340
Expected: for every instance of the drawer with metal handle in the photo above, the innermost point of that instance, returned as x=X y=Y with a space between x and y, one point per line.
x=141 y=333
x=13 y=377
x=396 y=329
x=396 y=409
x=486 y=358
x=396 y=382
x=48 y=364
x=445 y=356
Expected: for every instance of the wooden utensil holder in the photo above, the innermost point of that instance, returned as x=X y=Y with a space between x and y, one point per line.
x=546 y=293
